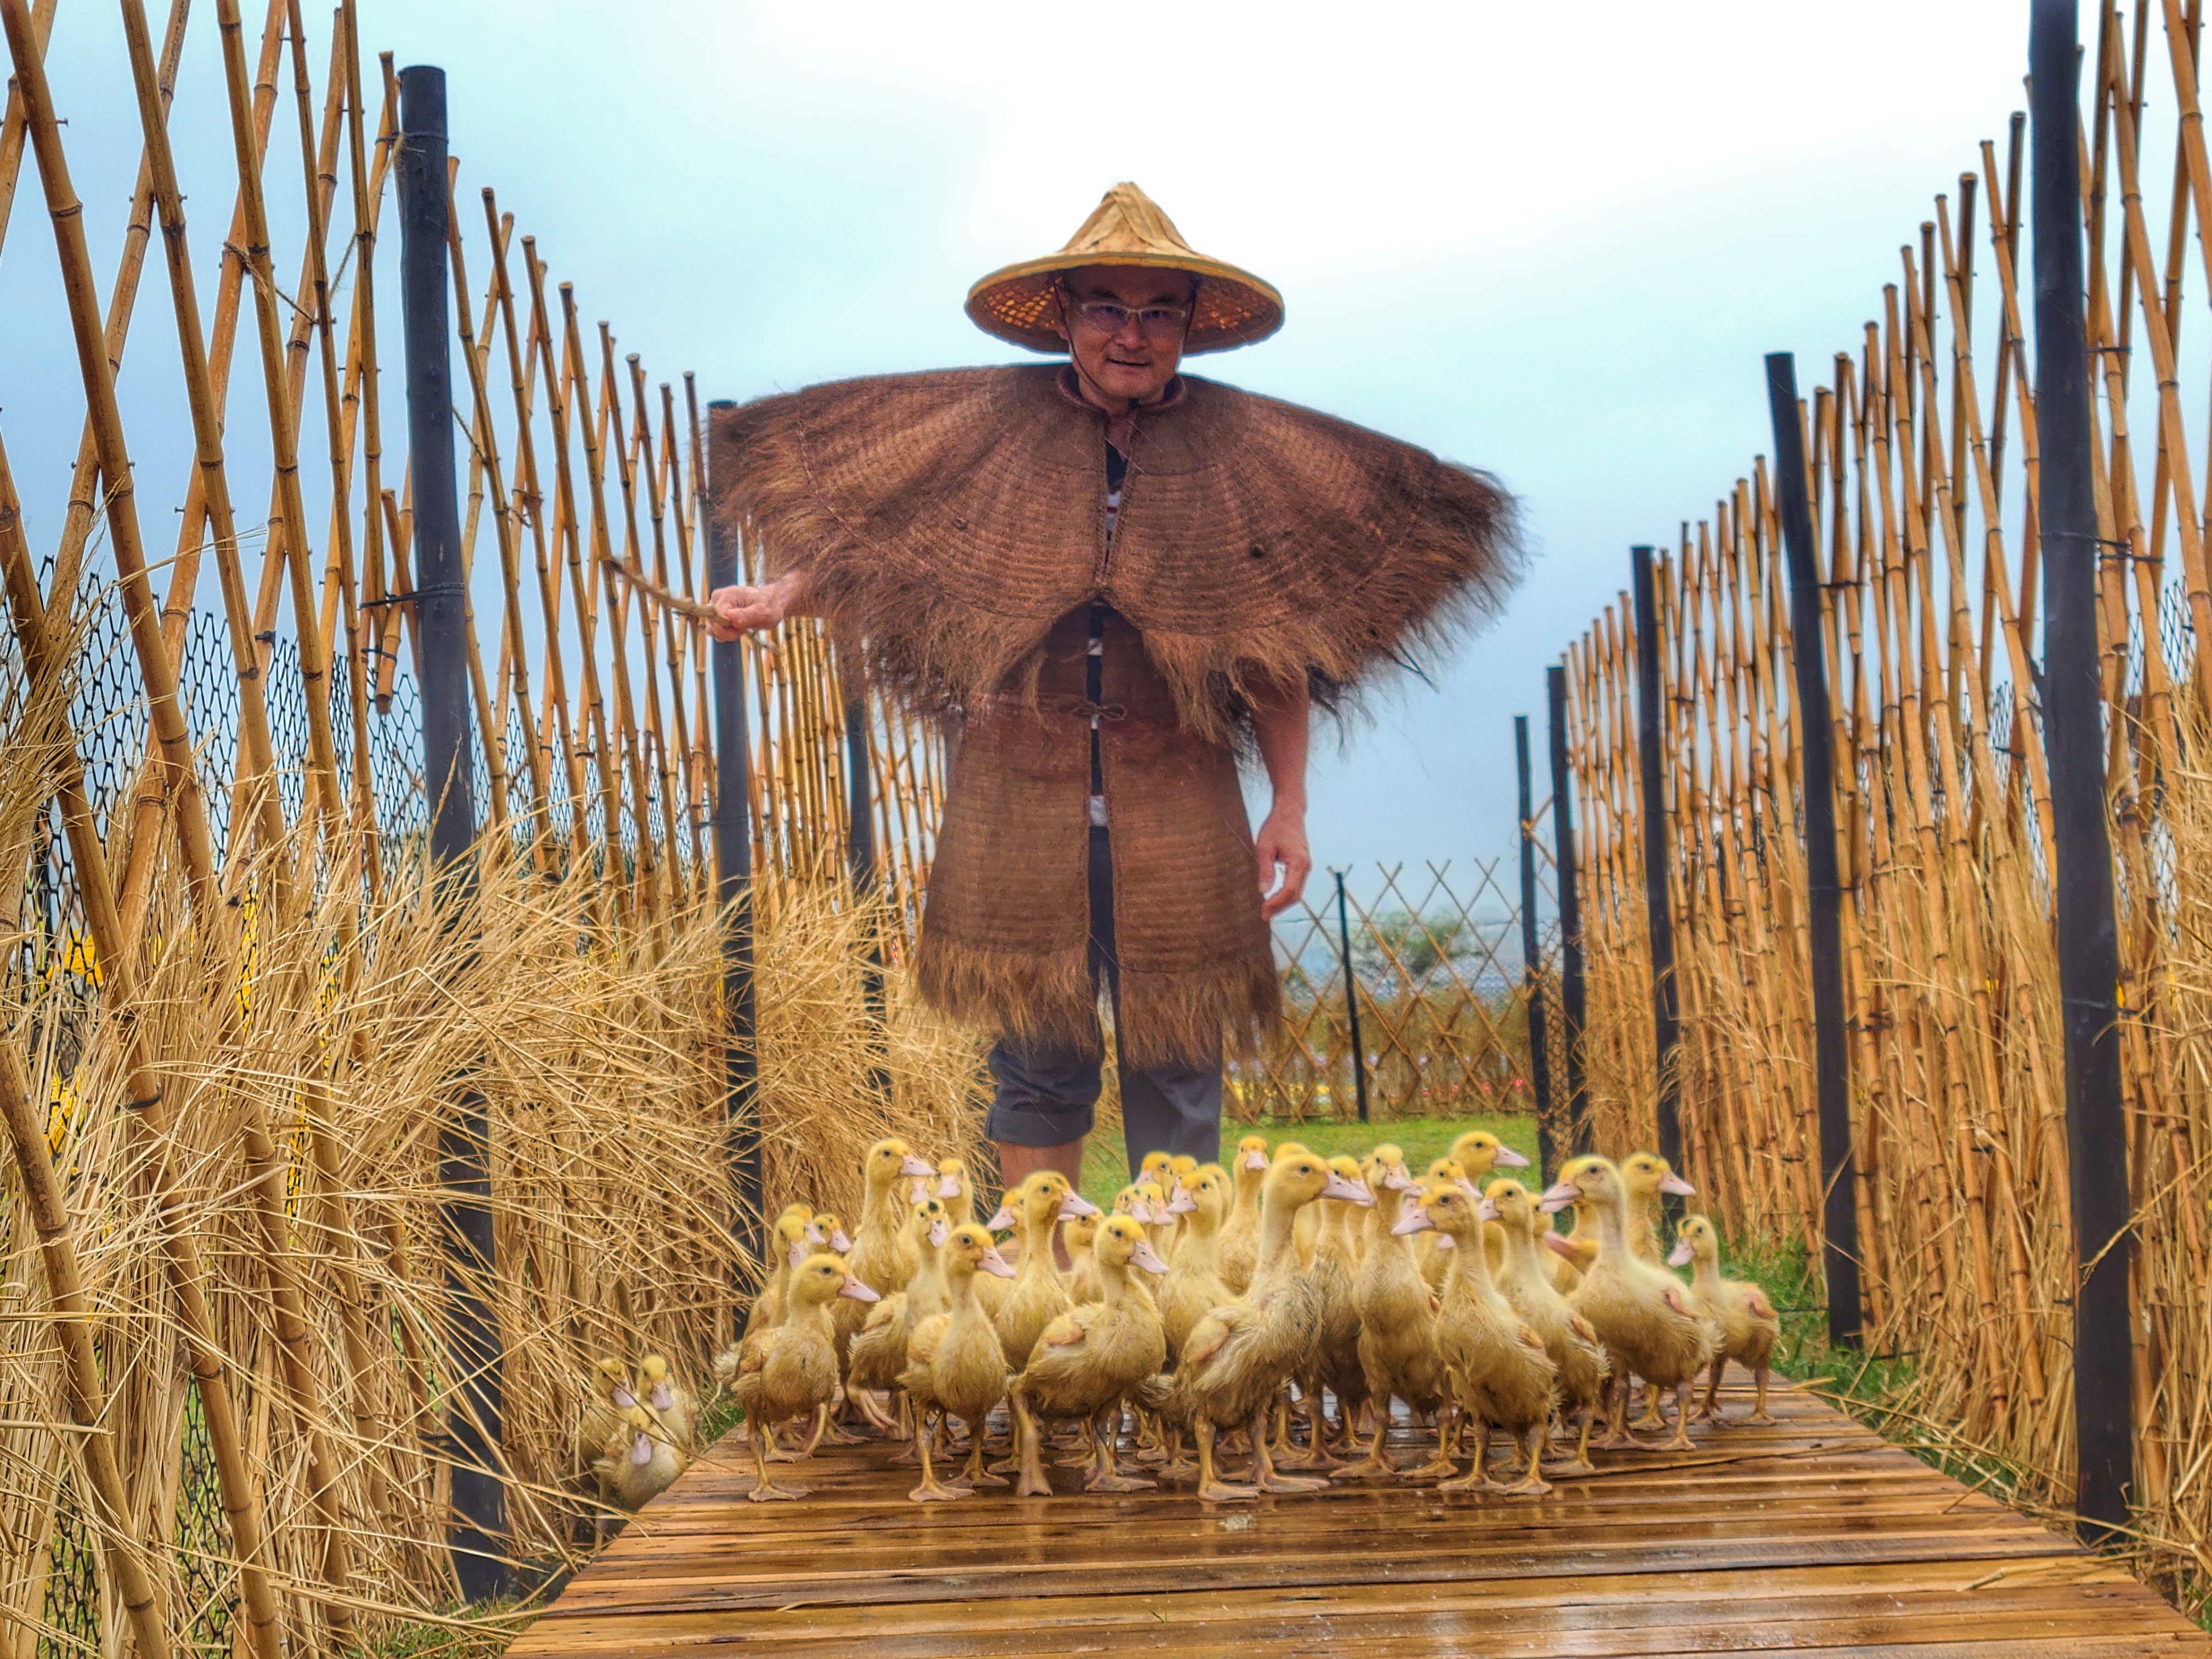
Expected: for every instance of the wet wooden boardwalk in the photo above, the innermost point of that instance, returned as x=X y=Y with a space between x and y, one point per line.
x=1813 y=1537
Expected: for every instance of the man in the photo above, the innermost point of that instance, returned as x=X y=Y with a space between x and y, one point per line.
x=1105 y=579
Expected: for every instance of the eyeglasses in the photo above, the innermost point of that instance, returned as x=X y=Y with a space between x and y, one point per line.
x=1156 y=322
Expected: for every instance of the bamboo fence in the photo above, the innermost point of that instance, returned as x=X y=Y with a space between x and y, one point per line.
x=235 y=1016
x=1922 y=464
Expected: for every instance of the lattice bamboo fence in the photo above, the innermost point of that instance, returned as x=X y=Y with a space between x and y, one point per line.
x=1436 y=962
x=1922 y=458
x=233 y=1018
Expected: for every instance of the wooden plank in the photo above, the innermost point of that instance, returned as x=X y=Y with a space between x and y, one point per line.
x=1810 y=1536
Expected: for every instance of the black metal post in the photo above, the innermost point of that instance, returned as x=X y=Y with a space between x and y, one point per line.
x=1571 y=991
x=1351 y=998
x=861 y=854
x=734 y=876
x=476 y=1532
x=1531 y=975
x=1832 y=1066
x=2073 y=724
x=1650 y=729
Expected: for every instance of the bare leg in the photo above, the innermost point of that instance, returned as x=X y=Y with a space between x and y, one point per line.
x=1104 y=1475
x=911 y=1421
x=879 y=1419
x=764 y=1489
x=1760 y=1415
x=1017 y=1163
x=1211 y=1486
x=1264 y=1473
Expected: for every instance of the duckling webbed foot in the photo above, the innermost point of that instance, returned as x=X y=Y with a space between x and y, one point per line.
x=1267 y=1478
x=1376 y=1465
x=1211 y=1488
x=975 y=1475
x=1681 y=1442
x=1105 y=1475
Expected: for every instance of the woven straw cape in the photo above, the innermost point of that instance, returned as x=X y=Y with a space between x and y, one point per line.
x=1233 y=307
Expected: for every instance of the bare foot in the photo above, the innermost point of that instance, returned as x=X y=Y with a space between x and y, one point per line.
x=1581 y=1465
x=1273 y=1481
x=1529 y=1487
x=1221 y=1491
x=936 y=1491
x=772 y=1494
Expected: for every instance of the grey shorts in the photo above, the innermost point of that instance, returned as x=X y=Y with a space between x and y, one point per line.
x=1050 y=1097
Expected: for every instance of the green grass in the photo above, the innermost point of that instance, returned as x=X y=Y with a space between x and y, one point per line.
x=1105 y=1171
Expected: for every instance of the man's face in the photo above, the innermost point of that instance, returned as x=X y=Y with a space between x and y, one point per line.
x=1129 y=361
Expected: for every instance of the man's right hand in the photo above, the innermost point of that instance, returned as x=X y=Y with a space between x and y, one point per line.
x=743 y=610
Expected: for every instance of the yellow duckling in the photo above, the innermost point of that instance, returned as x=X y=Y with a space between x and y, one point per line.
x=878 y=1351
x=1082 y=1270
x=1238 y=1357
x=956 y=1190
x=1749 y=1326
x=1432 y=1250
x=1571 y=1256
x=1193 y=1287
x=1180 y=1167
x=1240 y=1232
x=612 y=1399
x=956 y=1366
x=791 y=1232
x=1397 y=1322
x=1640 y=1311
x=1092 y=1356
x=674 y=1406
x=638 y=1462
x=1333 y=1362
x=880 y=1246
x=1648 y=1180
x=1478 y=1152
x=1498 y=1368
x=1584 y=1367
x=1037 y=1296
x=790 y=1370
x=1151 y=1211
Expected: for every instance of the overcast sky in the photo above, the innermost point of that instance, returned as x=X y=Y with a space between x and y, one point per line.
x=1550 y=241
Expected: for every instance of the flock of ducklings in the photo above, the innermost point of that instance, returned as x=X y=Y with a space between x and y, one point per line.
x=1206 y=1293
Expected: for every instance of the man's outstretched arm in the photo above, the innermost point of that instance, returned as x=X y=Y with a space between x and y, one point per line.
x=1282 y=721
x=745 y=609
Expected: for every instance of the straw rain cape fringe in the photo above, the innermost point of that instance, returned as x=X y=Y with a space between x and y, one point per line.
x=949 y=520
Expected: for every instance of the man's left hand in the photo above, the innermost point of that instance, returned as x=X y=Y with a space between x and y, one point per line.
x=1281 y=846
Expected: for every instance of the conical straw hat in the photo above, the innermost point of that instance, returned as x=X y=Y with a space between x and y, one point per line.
x=1234 y=306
